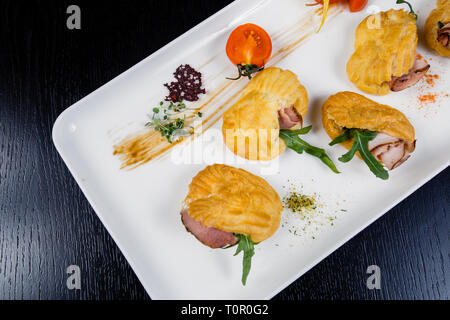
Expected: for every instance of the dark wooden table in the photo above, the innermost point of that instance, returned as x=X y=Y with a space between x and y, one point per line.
x=46 y=224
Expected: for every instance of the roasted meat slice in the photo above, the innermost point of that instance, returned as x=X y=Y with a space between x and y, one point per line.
x=416 y=73
x=390 y=151
x=444 y=35
x=289 y=117
x=211 y=237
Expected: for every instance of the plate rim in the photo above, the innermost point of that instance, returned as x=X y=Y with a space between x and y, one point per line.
x=57 y=136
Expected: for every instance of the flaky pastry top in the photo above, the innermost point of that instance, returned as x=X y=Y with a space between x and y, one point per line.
x=440 y=14
x=385 y=46
x=351 y=110
x=234 y=200
x=250 y=126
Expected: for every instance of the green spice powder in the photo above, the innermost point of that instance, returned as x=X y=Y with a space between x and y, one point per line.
x=299 y=203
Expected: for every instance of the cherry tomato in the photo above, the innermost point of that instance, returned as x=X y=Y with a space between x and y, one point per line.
x=249 y=44
x=357 y=5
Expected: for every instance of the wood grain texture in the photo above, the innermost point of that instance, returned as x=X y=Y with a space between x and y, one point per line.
x=46 y=224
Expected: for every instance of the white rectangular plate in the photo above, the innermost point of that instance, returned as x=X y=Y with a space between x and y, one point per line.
x=140 y=207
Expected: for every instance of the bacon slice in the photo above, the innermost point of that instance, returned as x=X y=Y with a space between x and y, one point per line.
x=444 y=35
x=390 y=151
x=211 y=237
x=416 y=73
x=289 y=117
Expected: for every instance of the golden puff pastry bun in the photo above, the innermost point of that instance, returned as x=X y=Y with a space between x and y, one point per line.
x=385 y=46
x=439 y=15
x=251 y=126
x=235 y=201
x=352 y=110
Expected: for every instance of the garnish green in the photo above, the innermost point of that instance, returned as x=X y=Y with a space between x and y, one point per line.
x=342 y=138
x=293 y=141
x=361 y=139
x=167 y=120
x=440 y=25
x=247 y=70
x=409 y=5
x=245 y=244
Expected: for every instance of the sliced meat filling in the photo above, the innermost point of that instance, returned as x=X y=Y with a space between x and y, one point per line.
x=289 y=118
x=416 y=73
x=390 y=151
x=444 y=35
x=211 y=237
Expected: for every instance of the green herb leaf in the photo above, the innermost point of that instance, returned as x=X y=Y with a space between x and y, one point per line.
x=361 y=140
x=293 y=141
x=166 y=120
x=304 y=130
x=247 y=70
x=343 y=137
x=440 y=25
x=409 y=5
x=245 y=244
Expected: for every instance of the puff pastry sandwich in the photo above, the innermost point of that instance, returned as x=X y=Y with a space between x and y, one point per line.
x=227 y=206
x=437 y=28
x=274 y=99
x=381 y=135
x=385 y=53
x=267 y=117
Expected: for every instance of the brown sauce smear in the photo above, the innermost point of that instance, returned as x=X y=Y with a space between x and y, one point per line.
x=146 y=145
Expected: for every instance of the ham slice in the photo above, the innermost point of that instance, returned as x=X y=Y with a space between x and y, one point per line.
x=381 y=139
x=289 y=117
x=416 y=73
x=211 y=237
x=444 y=35
x=390 y=151
x=390 y=154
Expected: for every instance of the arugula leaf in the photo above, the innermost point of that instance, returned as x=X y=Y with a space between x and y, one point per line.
x=342 y=138
x=293 y=141
x=304 y=130
x=245 y=244
x=361 y=139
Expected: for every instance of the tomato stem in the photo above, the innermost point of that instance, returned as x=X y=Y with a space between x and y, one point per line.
x=409 y=5
x=247 y=70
